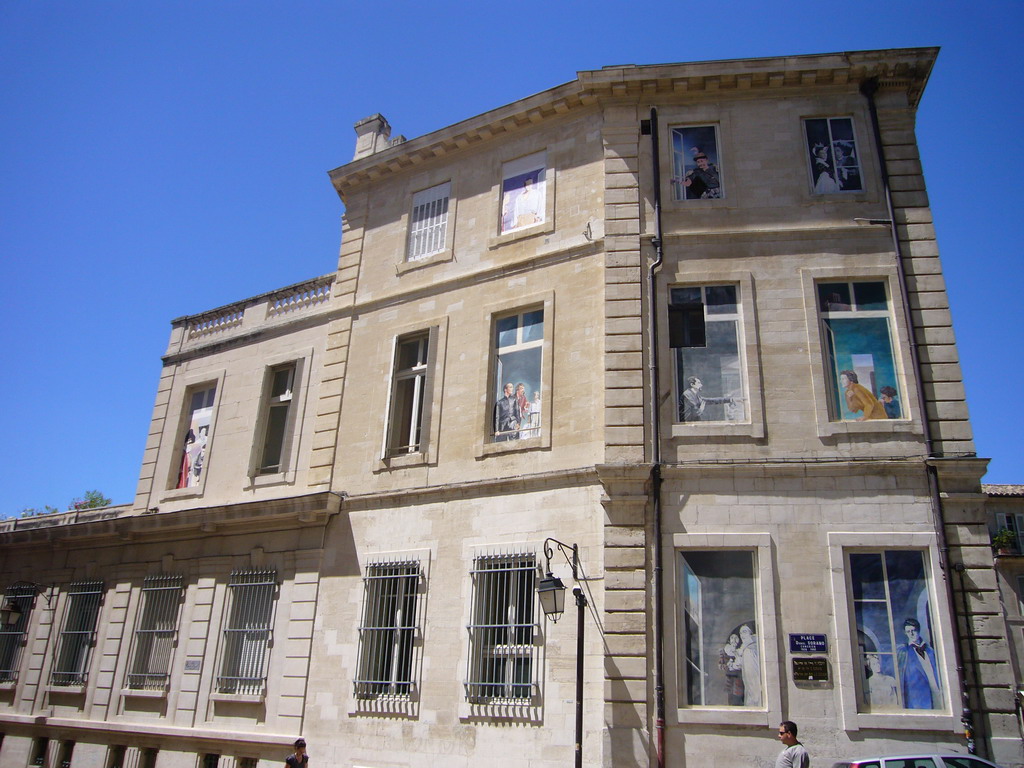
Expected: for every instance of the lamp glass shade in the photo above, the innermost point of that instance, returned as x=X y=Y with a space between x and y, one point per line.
x=10 y=613
x=551 y=591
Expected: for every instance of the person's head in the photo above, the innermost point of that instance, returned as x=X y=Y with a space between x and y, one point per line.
x=887 y=394
x=874 y=664
x=912 y=629
x=787 y=732
x=846 y=378
x=702 y=161
x=821 y=151
x=536 y=397
x=527 y=183
x=521 y=389
x=746 y=633
x=694 y=383
x=508 y=389
x=734 y=640
x=300 y=746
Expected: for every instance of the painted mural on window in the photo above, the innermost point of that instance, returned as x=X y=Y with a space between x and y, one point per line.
x=523 y=193
x=705 y=333
x=197 y=435
x=696 y=172
x=832 y=153
x=858 y=341
x=518 y=354
x=896 y=657
x=720 y=651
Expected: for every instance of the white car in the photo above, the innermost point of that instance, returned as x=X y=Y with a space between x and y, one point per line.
x=917 y=761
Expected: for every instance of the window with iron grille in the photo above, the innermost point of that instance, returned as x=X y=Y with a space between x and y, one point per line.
x=428 y=225
x=12 y=636
x=388 y=631
x=39 y=747
x=409 y=384
x=76 y=638
x=246 y=762
x=210 y=760
x=147 y=757
x=247 y=632
x=154 y=633
x=502 y=654
x=275 y=420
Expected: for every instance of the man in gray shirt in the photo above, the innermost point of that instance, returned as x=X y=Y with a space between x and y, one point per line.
x=794 y=755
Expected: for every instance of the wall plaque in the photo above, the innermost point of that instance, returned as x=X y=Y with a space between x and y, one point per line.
x=808 y=643
x=810 y=670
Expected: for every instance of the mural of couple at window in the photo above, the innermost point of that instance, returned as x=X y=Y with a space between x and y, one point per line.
x=705 y=333
x=832 y=153
x=897 y=665
x=197 y=435
x=855 y=321
x=523 y=193
x=721 y=654
x=519 y=346
x=696 y=173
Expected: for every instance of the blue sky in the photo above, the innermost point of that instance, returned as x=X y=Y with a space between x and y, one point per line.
x=161 y=158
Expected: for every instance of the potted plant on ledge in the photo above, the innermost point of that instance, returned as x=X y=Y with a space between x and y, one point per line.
x=1004 y=541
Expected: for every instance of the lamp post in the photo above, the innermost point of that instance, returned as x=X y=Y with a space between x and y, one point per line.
x=551 y=592
x=11 y=611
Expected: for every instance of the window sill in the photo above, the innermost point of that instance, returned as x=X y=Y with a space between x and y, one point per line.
x=425 y=261
x=939 y=721
x=271 y=478
x=512 y=446
x=139 y=693
x=730 y=715
x=701 y=430
x=239 y=698
x=872 y=426
x=544 y=228
x=182 y=493
x=71 y=690
x=402 y=460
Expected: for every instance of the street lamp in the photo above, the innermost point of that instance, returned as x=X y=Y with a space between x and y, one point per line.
x=551 y=592
x=11 y=611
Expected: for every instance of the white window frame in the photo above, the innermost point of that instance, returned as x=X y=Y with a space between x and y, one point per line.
x=77 y=635
x=844 y=669
x=247 y=632
x=296 y=402
x=486 y=445
x=750 y=360
x=411 y=430
x=180 y=417
x=390 y=630
x=857 y=145
x=817 y=349
x=156 y=627
x=515 y=166
x=679 y=166
x=1012 y=521
x=770 y=711
x=276 y=402
x=428 y=222
x=506 y=578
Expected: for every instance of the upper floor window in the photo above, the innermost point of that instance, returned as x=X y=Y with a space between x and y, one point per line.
x=408 y=388
x=832 y=155
x=387 y=636
x=12 y=636
x=196 y=436
x=858 y=342
x=502 y=652
x=721 y=654
x=696 y=168
x=428 y=225
x=706 y=333
x=523 y=192
x=155 y=632
x=518 y=358
x=76 y=636
x=275 y=418
x=896 y=661
x=247 y=631
x=1013 y=522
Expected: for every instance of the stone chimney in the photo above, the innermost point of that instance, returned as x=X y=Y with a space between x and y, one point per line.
x=372 y=134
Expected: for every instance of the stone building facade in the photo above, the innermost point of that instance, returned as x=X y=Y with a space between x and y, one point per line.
x=689 y=318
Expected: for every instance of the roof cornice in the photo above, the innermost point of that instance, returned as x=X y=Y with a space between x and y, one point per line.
x=904 y=69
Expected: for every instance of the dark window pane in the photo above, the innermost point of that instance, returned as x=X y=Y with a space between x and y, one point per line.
x=834 y=297
x=870 y=296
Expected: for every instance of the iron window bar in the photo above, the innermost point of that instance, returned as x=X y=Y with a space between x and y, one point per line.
x=248 y=632
x=19 y=597
x=77 y=636
x=388 y=630
x=155 y=633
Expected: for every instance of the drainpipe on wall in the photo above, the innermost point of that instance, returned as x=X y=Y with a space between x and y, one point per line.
x=868 y=88
x=651 y=127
